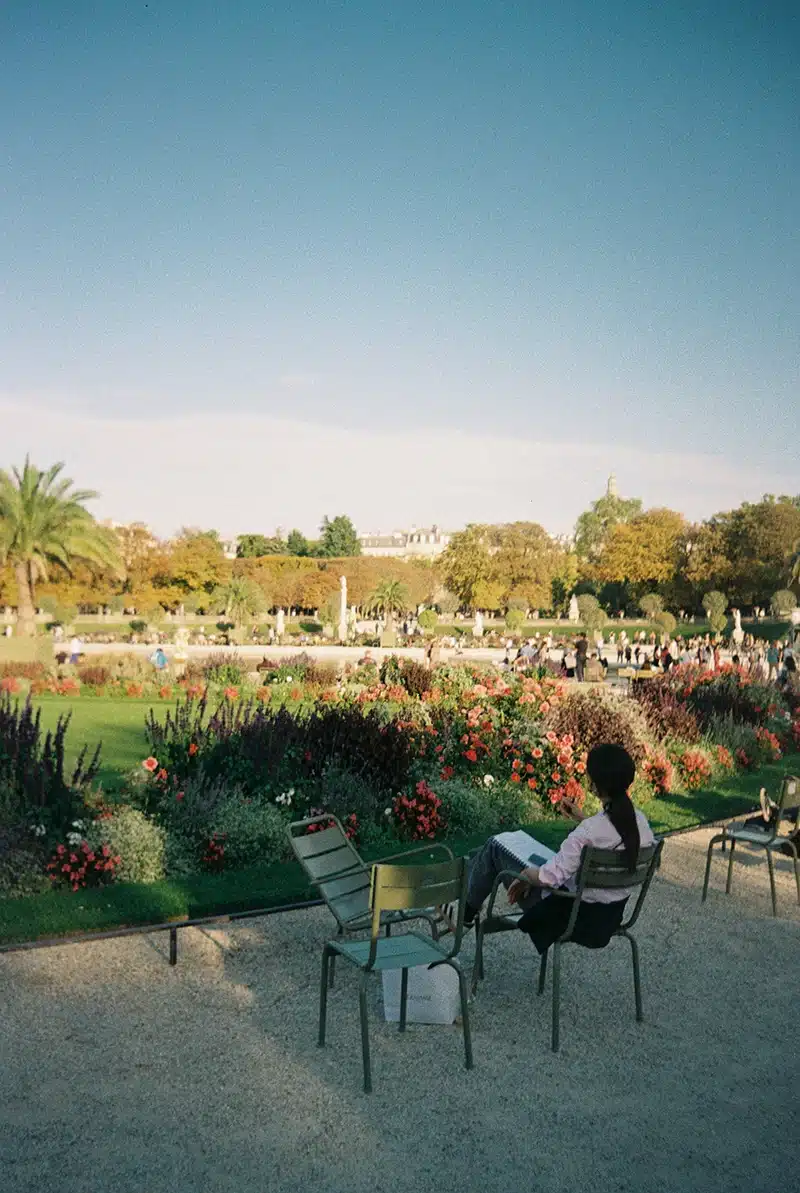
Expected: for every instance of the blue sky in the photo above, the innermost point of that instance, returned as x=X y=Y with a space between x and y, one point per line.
x=505 y=247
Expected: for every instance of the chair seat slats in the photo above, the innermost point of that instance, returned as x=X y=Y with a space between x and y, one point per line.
x=393 y=952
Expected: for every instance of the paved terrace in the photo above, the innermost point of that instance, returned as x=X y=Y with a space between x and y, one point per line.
x=121 y=1073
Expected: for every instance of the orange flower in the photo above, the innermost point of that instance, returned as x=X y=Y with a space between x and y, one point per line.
x=192 y=749
x=150 y=764
x=532 y=784
x=556 y=777
x=515 y=778
x=580 y=767
x=537 y=753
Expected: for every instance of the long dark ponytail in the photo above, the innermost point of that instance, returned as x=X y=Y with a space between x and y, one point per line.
x=612 y=770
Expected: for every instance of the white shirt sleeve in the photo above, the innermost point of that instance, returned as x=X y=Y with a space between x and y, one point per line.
x=565 y=865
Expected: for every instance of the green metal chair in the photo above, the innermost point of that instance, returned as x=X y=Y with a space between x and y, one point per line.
x=333 y=864
x=402 y=889
x=768 y=839
x=598 y=868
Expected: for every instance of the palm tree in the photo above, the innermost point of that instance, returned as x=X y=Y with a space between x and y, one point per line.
x=43 y=522
x=239 y=598
x=390 y=597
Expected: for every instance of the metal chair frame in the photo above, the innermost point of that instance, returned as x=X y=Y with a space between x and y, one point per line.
x=392 y=889
x=333 y=864
x=768 y=839
x=598 y=868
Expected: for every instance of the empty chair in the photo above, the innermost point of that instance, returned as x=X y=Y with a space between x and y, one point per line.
x=406 y=889
x=768 y=839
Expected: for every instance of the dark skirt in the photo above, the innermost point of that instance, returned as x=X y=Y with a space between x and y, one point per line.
x=547 y=921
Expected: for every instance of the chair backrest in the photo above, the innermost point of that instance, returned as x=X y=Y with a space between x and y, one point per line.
x=607 y=868
x=416 y=888
x=334 y=865
x=788 y=796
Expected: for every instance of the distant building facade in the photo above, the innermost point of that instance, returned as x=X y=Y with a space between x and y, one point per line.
x=425 y=543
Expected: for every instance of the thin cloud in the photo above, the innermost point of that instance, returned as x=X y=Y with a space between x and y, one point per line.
x=244 y=473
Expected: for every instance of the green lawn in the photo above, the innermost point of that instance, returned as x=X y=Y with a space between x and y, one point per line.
x=117 y=724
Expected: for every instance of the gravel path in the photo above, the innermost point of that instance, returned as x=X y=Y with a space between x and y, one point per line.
x=121 y=1073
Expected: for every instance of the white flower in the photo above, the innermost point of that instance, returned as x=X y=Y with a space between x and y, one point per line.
x=488 y=780
x=39 y=830
x=289 y=679
x=77 y=824
x=74 y=838
x=387 y=812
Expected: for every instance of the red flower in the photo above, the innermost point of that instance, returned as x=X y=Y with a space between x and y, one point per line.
x=150 y=764
x=470 y=756
x=192 y=749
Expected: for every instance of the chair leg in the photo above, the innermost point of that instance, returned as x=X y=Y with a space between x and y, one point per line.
x=477 y=964
x=708 y=869
x=465 y=1024
x=332 y=967
x=542 y=973
x=323 y=995
x=556 y=994
x=730 y=867
x=403 y=999
x=637 y=977
x=773 y=891
x=362 y=1007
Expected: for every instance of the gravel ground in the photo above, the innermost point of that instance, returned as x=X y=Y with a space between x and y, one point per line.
x=121 y=1073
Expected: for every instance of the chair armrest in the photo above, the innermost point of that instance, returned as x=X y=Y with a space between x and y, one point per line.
x=396 y=857
x=513 y=875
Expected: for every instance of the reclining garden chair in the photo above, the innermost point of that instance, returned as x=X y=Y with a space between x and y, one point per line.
x=767 y=839
x=333 y=864
x=407 y=890
x=598 y=868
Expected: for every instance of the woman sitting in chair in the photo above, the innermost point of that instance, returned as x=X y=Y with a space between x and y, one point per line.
x=619 y=825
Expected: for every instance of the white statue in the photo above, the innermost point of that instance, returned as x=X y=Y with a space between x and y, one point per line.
x=738 y=632
x=477 y=629
x=574 y=611
x=280 y=624
x=343 y=608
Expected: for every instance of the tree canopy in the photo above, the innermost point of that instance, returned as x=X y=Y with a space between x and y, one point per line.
x=338 y=538
x=596 y=524
x=44 y=524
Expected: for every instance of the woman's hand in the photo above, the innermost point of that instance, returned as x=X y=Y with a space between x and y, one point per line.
x=521 y=886
x=568 y=808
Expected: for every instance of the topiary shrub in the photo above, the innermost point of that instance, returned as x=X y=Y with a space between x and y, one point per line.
x=139 y=842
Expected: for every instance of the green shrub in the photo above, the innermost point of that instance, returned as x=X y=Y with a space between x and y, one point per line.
x=666 y=621
x=783 y=602
x=428 y=619
x=469 y=807
x=140 y=843
x=651 y=604
x=515 y=619
x=226 y=670
x=252 y=830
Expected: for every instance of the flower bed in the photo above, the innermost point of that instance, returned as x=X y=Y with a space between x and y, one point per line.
x=401 y=755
